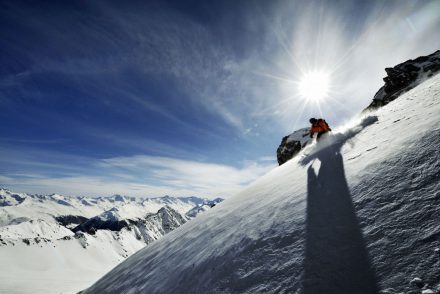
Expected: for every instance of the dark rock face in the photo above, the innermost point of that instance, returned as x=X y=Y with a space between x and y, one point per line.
x=66 y=220
x=287 y=150
x=405 y=76
x=94 y=224
x=291 y=145
x=165 y=220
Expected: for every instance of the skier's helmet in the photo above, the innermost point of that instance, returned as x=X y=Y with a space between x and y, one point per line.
x=313 y=120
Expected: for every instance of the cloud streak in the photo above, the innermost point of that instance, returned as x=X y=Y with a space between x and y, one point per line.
x=284 y=41
x=139 y=175
x=145 y=86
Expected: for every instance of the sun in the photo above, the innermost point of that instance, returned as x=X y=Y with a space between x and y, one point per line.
x=314 y=85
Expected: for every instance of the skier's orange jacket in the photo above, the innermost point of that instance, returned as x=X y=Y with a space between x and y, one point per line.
x=319 y=126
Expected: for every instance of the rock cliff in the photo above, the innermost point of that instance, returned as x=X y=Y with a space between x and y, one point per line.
x=405 y=76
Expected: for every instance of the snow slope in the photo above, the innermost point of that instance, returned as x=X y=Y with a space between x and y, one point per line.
x=359 y=214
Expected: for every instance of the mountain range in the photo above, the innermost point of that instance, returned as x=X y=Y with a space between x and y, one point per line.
x=64 y=243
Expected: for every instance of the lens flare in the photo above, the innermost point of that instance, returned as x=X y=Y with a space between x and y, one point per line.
x=314 y=86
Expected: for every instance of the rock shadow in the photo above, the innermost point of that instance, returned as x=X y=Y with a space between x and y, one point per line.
x=336 y=258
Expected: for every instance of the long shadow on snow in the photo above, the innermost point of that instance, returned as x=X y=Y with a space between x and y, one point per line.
x=336 y=258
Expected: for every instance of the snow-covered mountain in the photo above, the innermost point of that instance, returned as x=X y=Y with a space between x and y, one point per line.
x=58 y=243
x=358 y=213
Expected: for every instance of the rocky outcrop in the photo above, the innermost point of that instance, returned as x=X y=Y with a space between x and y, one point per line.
x=155 y=225
x=291 y=145
x=169 y=219
x=70 y=221
x=405 y=76
x=162 y=222
x=108 y=220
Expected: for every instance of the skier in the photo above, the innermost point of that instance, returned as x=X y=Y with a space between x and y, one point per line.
x=319 y=126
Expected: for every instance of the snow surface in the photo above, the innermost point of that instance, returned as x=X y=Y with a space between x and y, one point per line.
x=34 y=229
x=355 y=215
x=40 y=255
x=61 y=266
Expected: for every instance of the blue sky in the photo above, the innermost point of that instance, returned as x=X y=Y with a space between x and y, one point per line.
x=149 y=98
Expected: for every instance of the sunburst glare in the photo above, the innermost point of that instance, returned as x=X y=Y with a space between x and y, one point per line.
x=314 y=85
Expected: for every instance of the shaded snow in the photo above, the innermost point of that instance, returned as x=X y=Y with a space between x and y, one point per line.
x=8 y=198
x=355 y=215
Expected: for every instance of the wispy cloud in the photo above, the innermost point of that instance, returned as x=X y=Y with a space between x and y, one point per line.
x=187 y=173
x=139 y=175
x=135 y=76
x=242 y=87
x=82 y=186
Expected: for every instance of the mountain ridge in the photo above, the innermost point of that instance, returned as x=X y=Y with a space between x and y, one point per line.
x=81 y=237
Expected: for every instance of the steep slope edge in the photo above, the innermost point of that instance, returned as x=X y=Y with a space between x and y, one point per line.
x=354 y=215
